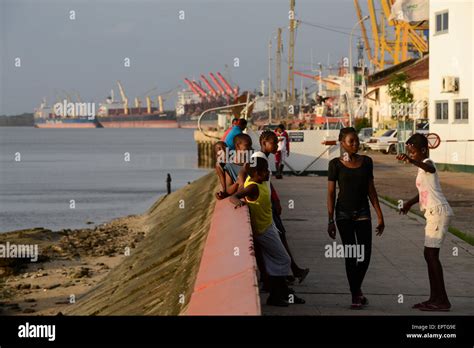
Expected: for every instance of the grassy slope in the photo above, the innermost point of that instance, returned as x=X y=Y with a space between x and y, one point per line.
x=164 y=266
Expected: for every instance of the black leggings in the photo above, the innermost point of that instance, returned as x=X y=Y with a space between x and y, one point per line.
x=356 y=233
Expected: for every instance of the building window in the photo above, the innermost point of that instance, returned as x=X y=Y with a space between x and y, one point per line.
x=442 y=22
x=461 y=110
x=442 y=110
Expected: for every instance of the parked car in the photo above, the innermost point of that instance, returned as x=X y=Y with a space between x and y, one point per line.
x=387 y=142
x=364 y=136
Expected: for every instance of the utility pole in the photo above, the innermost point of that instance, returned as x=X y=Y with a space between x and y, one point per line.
x=320 y=84
x=291 y=53
x=270 y=81
x=278 y=73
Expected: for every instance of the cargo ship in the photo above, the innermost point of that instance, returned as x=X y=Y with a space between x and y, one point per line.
x=118 y=117
x=45 y=117
x=117 y=114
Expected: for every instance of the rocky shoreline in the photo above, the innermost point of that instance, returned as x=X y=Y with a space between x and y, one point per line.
x=69 y=263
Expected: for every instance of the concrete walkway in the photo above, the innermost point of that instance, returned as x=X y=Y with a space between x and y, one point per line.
x=397 y=265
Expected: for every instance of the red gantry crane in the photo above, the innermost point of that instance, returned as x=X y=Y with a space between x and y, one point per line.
x=191 y=87
x=228 y=88
x=201 y=91
x=208 y=84
x=217 y=83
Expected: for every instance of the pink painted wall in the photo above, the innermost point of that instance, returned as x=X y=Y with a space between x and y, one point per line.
x=226 y=284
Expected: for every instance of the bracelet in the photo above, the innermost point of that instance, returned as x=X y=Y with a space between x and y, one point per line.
x=331 y=221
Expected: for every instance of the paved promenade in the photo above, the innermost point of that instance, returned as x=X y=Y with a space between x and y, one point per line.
x=397 y=270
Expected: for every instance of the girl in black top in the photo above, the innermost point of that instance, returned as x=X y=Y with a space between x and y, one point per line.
x=354 y=175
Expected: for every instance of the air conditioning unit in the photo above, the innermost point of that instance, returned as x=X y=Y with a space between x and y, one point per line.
x=450 y=84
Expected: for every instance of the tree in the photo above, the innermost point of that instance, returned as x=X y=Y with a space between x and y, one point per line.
x=401 y=96
x=362 y=122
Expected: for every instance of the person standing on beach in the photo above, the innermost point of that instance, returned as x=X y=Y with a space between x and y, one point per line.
x=353 y=174
x=437 y=213
x=168 y=183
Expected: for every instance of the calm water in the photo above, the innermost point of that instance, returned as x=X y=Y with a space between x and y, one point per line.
x=88 y=166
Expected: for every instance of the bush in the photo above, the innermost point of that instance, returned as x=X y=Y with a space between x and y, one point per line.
x=362 y=122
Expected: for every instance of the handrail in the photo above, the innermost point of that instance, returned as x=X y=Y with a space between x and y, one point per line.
x=221 y=108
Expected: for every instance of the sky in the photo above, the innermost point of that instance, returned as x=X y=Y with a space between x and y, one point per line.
x=86 y=55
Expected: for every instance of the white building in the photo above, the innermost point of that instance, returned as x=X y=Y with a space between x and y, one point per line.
x=451 y=78
x=379 y=104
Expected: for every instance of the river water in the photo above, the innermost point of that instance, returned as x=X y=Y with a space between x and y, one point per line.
x=64 y=178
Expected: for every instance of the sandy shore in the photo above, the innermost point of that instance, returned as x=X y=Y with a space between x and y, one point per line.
x=70 y=262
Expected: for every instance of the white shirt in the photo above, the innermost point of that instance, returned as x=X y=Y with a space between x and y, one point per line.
x=430 y=193
x=282 y=144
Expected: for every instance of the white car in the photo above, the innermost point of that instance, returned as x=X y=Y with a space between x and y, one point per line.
x=364 y=136
x=387 y=142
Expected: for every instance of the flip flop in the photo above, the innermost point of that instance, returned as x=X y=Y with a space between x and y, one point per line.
x=430 y=307
x=356 y=306
x=419 y=305
x=356 y=302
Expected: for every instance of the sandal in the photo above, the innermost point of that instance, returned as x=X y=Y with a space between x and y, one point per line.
x=356 y=303
x=419 y=305
x=431 y=307
x=363 y=300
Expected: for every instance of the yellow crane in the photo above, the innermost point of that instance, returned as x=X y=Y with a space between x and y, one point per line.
x=124 y=98
x=160 y=104
x=392 y=37
x=148 y=104
x=138 y=102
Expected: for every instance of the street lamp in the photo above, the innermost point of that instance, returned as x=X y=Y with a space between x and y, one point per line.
x=350 y=67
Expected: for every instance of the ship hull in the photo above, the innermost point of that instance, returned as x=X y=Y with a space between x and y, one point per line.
x=65 y=123
x=139 y=124
x=137 y=121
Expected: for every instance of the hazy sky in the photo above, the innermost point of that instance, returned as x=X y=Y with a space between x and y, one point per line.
x=87 y=54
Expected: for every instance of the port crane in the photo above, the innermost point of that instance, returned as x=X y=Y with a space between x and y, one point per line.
x=124 y=98
x=214 y=93
x=217 y=83
x=390 y=37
